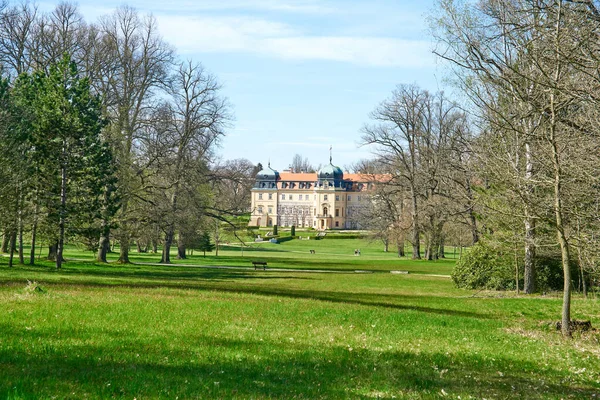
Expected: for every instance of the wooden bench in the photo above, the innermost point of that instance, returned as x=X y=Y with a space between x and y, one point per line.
x=260 y=264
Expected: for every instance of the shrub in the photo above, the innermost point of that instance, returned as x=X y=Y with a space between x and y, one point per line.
x=549 y=273
x=484 y=267
x=293 y=231
x=275 y=231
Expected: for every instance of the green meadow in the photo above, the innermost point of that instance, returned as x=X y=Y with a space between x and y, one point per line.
x=309 y=327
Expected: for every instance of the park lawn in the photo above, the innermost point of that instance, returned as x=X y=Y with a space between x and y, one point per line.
x=145 y=331
x=330 y=254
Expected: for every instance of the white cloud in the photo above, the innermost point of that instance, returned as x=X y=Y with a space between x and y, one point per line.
x=372 y=51
x=254 y=35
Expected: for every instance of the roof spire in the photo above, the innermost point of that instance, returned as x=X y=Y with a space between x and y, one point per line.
x=330 y=158
x=269 y=164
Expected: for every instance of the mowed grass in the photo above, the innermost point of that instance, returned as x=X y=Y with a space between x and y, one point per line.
x=147 y=331
x=330 y=254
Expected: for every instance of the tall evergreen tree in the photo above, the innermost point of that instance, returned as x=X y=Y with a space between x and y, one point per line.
x=66 y=150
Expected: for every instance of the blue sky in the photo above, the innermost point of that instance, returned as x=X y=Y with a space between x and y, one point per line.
x=301 y=74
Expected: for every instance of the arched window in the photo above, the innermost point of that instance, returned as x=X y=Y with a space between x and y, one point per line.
x=325 y=211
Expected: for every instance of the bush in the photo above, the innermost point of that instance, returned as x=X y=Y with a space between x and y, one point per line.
x=275 y=231
x=293 y=231
x=484 y=267
x=549 y=273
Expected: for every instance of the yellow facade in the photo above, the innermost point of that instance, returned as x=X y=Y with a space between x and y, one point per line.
x=328 y=199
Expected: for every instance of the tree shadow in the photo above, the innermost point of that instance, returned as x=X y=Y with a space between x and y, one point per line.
x=228 y=281
x=220 y=367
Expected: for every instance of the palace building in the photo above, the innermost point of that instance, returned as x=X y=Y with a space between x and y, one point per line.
x=328 y=199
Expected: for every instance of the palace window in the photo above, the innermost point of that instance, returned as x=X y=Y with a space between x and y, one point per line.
x=260 y=209
x=260 y=196
x=337 y=224
x=283 y=197
x=358 y=198
x=325 y=197
x=270 y=210
x=270 y=196
x=337 y=212
x=349 y=198
x=337 y=197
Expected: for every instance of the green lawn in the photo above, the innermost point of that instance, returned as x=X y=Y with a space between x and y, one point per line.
x=330 y=254
x=140 y=331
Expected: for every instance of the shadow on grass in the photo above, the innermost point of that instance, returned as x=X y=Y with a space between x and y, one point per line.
x=233 y=282
x=220 y=367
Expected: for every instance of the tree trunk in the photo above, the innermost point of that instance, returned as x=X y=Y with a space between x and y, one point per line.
x=181 y=252
x=13 y=239
x=33 y=239
x=400 y=247
x=154 y=246
x=20 y=225
x=21 y=252
x=62 y=216
x=181 y=247
x=104 y=242
x=583 y=285
x=428 y=247
x=166 y=253
x=581 y=271
x=52 y=252
x=139 y=246
x=441 y=251
x=124 y=237
x=34 y=232
x=529 y=265
x=416 y=245
x=516 y=269
x=124 y=242
x=386 y=244
x=5 y=241
x=560 y=228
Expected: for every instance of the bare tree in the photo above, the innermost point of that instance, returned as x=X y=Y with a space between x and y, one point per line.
x=197 y=118
x=527 y=67
x=300 y=164
x=17 y=24
x=140 y=67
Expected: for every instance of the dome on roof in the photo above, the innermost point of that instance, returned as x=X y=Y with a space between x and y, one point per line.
x=331 y=172
x=267 y=173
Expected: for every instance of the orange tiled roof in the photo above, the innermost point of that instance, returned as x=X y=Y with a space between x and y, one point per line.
x=312 y=176
x=298 y=177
